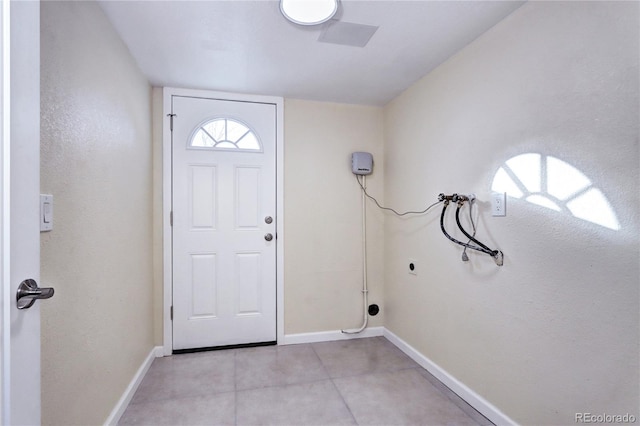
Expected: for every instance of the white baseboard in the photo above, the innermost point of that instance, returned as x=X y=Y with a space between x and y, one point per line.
x=328 y=336
x=463 y=391
x=125 y=399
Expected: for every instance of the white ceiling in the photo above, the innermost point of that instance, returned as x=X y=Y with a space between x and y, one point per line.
x=248 y=46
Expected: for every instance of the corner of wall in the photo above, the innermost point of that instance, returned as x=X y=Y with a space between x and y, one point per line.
x=158 y=265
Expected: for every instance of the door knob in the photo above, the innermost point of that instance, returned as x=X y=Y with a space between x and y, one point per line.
x=268 y=220
x=268 y=237
x=28 y=292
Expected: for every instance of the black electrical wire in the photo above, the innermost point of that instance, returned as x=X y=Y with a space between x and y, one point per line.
x=446 y=234
x=493 y=252
x=389 y=208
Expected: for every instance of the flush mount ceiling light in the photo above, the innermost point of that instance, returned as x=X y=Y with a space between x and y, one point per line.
x=308 y=12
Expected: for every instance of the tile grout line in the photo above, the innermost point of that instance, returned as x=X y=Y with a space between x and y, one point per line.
x=279 y=385
x=324 y=368
x=235 y=388
x=282 y=385
x=344 y=401
x=324 y=371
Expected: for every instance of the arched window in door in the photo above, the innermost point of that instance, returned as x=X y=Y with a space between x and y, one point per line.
x=225 y=134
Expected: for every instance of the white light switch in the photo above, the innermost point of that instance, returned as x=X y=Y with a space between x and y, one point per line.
x=46 y=212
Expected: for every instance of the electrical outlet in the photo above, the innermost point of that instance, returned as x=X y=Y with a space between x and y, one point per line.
x=499 y=204
x=412 y=267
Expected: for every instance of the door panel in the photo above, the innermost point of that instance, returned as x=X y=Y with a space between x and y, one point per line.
x=202 y=197
x=21 y=392
x=247 y=202
x=204 y=286
x=224 y=270
x=249 y=284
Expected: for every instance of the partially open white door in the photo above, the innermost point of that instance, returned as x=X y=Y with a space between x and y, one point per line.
x=224 y=222
x=20 y=209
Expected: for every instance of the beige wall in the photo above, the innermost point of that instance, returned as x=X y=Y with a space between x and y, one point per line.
x=323 y=219
x=323 y=272
x=554 y=331
x=96 y=161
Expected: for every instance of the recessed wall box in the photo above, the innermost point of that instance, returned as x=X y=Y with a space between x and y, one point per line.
x=362 y=163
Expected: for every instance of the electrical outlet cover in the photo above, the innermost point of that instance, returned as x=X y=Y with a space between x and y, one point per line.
x=499 y=204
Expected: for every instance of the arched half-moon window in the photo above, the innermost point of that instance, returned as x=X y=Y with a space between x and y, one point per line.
x=549 y=182
x=225 y=134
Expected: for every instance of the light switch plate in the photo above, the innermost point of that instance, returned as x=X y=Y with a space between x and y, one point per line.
x=46 y=212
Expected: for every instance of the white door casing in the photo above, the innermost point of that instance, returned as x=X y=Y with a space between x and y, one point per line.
x=20 y=209
x=224 y=267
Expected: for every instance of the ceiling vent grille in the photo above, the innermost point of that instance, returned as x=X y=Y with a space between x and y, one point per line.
x=347 y=33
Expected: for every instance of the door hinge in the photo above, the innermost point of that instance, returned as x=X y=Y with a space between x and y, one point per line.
x=172 y=313
x=171 y=218
x=171 y=121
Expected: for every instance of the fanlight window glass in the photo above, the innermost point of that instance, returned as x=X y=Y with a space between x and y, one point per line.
x=225 y=134
x=549 y=182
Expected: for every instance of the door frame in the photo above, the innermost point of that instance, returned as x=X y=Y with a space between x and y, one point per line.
x=167 y=172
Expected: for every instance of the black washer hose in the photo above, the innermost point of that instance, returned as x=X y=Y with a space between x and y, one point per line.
x=471 y=237
x=444 y=231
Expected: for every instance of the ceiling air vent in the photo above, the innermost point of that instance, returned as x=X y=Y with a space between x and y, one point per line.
x=347 y=33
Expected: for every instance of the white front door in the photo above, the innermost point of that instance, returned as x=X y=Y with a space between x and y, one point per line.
x=224 y=224
x=20 y=236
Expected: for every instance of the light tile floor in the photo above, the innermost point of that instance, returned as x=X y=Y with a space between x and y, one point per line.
x=361 y=381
